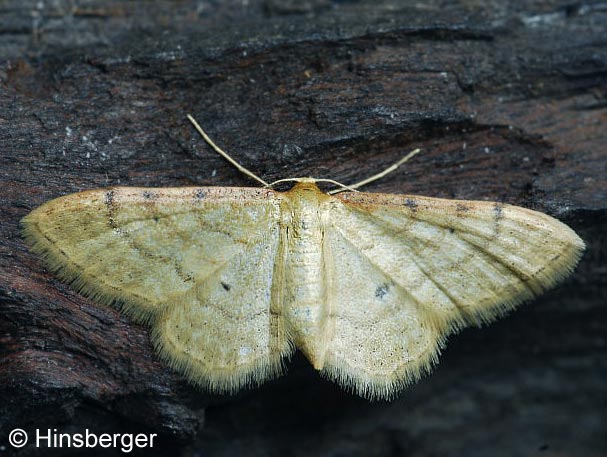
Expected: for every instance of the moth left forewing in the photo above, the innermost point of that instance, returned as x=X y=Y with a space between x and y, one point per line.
x=139 y=246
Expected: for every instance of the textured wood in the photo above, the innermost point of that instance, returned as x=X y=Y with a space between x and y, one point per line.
x=508 y=102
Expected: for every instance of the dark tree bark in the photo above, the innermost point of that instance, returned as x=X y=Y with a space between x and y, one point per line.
x=508 y=101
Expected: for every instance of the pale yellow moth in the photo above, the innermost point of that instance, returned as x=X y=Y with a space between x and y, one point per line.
x=232 y=280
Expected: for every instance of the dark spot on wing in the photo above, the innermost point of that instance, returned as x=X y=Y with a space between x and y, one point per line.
x=382 y=290
x=225 y=286
x=411 y=204
x=498 y=211
x=109 y=203
x=200 y=194
x=185 y=277
x=460 y=209
x=109 y=197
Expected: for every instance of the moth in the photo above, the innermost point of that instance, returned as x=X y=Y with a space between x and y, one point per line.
x=231 y=280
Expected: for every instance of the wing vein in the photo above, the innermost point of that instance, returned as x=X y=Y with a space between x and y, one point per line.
x=520 y=275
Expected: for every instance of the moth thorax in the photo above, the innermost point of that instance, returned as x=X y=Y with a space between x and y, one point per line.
x=306 y=312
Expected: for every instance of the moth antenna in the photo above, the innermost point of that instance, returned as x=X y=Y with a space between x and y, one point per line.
x=314 y=180
x=224 y=154
x=344 y=187
x=273 y=183
x=390 y=169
